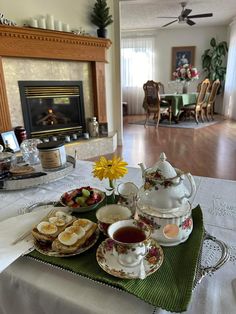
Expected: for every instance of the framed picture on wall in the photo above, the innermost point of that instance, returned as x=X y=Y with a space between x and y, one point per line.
x=10 y=139
x=181 y=56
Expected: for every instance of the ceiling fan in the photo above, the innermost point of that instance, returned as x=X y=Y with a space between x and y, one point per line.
x=184 y=16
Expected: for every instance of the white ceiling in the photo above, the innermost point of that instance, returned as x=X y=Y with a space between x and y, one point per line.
x=143 y=14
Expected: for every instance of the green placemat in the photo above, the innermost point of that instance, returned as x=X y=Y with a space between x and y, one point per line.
x=170 y=287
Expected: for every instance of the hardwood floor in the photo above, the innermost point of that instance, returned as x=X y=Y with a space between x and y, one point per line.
x=208 y=152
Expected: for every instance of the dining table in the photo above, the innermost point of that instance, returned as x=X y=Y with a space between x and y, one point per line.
x=179 y=100
x=29 y=285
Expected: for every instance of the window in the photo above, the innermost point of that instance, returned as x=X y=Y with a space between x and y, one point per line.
x=137 y=61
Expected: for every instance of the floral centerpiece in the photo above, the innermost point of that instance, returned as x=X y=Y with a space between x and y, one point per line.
x=186 y=72
x=110 y=169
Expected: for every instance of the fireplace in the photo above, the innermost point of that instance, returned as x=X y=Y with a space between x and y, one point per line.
x=29 y=54
x=52 y=108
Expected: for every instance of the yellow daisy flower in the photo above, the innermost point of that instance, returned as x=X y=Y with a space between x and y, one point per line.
x=112 y=169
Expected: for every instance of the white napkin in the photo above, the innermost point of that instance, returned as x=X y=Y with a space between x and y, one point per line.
x=11 y=229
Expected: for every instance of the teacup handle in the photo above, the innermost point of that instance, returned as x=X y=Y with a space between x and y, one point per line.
x=136 y=256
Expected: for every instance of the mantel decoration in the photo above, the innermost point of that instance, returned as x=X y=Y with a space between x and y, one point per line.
x=101 y=17
x=110 y=169
x=186 y=73
x=6 y=21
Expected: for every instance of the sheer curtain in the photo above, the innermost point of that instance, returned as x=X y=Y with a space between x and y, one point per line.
x=137 y=66
x=229 y=104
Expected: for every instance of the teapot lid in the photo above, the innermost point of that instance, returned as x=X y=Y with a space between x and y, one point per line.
x=164 y=167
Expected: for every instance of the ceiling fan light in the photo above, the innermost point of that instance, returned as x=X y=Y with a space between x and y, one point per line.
x=182 y=21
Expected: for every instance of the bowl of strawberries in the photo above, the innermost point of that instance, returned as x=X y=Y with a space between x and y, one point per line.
x=82 y=199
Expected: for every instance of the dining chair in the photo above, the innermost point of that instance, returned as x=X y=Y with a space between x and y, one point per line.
x=208 y=106
x=196 y=108
x=165 y=105
x=151 y=102
x=161 y=88
x=208 y=89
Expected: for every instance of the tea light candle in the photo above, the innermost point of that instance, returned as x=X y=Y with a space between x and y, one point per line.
x=50 y=21
x=42 y=23
x=74 y=136
x=86 y=136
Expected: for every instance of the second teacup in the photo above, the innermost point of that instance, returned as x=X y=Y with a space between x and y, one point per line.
x=109 y=214
x=131 y=241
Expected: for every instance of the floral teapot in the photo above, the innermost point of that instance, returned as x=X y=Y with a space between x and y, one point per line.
x=164 y=187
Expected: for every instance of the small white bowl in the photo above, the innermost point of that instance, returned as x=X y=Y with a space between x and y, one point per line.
x=109 y=214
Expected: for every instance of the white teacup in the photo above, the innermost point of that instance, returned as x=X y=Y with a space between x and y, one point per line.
x=131 y=241
x=111 y=213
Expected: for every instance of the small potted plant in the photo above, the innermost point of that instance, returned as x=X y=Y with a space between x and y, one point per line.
x=101 y=17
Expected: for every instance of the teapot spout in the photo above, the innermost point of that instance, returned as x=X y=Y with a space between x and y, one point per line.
x=143 y=168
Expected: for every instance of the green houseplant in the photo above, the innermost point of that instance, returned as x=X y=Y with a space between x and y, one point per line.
x=214 y=60
x=101 y=17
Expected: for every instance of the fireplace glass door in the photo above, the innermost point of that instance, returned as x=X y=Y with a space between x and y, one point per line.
x=52 y=106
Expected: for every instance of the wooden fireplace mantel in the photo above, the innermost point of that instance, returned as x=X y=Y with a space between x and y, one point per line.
x=24 y=42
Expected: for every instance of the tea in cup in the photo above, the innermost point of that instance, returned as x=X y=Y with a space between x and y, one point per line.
x=131 y=241
x=109 y=214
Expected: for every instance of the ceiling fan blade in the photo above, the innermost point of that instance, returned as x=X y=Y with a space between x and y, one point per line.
x=200 y=15
x=169 y=23
x=190 y=22
x=167 y=17
x=186 y=12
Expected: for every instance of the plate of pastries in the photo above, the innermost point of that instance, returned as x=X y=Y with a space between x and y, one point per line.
x=62 y=235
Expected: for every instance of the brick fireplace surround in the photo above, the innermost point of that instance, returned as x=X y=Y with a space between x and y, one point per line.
x=34 y=43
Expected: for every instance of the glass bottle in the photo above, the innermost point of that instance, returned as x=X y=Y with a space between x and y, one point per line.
x=93 y=127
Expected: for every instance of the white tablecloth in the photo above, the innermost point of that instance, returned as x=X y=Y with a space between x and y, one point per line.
x=29 y=286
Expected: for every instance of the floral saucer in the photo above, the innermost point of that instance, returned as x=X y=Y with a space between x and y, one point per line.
x=108 y=262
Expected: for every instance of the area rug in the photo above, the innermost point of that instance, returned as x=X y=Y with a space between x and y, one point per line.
x=187 y=124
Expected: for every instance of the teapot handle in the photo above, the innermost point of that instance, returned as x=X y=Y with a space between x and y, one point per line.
x=192 y=184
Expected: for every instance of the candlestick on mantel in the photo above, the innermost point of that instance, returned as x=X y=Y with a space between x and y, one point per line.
x=50 y=22
x=58 y=25
x=42 y=23
x=33 y=22
x=66 y=27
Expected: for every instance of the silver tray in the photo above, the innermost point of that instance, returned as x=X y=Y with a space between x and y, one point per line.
x=20 y=184
x=213 y=255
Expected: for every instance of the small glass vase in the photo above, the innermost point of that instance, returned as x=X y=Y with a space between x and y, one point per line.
x=111 y=197
x=185 y=87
